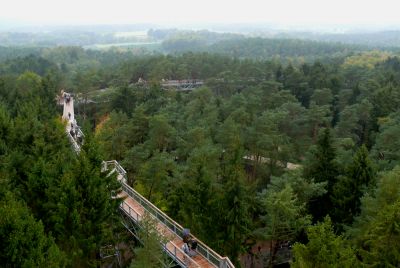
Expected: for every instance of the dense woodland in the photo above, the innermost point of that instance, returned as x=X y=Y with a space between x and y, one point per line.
x=217 y=159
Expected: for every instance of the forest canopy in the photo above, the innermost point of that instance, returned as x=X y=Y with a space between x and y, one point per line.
x=288 y=146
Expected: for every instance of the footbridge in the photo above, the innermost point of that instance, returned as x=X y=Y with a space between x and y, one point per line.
x=182 y=85
x=134 y=207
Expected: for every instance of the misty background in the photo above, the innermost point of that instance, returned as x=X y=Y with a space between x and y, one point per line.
x=121 y=23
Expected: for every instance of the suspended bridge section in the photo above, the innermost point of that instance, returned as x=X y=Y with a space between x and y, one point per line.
x=181 y=85
x=134 y=207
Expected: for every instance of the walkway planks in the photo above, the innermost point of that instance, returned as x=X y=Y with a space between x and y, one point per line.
x=175 y=242
x=133 y=208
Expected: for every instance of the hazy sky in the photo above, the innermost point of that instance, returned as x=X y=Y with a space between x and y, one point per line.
x=201 y=11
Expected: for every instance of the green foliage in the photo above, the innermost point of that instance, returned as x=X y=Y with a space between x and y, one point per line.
x=322 y=97
x=150 y=254
x=267 y=144
x=283 y=219
x=237 y=213
x=161 y=133
x=385 y=100
x=263 y=48
x=28 y=63
x=376 y=231
x=66 y=198
x=24 y=242
x=5 y=129
x=322 y=167
x=155 y=174
x=304 y=189
x=192 y=151
x=205 y=156
x=124 y=99
x=318 y=117
x=284 y=214
x=355 y=122
x=347 y=192
x=324 y=249
x=200 y=191
x=81 y=207
x=114 y=135
x=387 y=145
x=367 y=59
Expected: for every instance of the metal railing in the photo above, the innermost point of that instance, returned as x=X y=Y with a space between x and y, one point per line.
x=75 y=145
x=202 y=249
x=79 y=132
x=180 y=256
x=173 y=250
x=117 y=167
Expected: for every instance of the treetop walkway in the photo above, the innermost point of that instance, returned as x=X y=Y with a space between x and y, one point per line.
x=134 y=206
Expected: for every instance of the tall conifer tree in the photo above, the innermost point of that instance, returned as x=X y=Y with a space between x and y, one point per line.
x=322 y=167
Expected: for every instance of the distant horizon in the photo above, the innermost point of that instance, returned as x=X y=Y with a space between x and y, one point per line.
x=21 y=26
x=310 y=15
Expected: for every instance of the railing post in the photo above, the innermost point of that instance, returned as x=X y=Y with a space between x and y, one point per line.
x=174 y=250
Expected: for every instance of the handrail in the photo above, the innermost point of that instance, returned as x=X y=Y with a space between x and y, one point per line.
x=80 y=132
x=187 y=258
x=130 y=209
x=203 y=249
x=176 y=228
x=136 y=217
x=228 y=263
x=74 y=143
x=117 y=166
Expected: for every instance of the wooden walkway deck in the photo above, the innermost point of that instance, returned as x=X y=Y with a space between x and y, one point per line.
x=135 y=206
x=174 y=243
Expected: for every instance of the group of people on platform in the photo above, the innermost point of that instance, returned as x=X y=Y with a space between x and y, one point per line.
x=75 y=133
x=189 y=244
x=66 y=96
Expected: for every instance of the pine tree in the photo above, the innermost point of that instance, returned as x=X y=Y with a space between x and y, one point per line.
x=150 y=255
x=284 y=217
x=23 y=240
x=200 y=192
x=349 y=189
x=322 y=167
x=155 y=175
x=80 y=206
x=237 y=217
x=324 y=249
x=375 y=232
x=5 y=129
